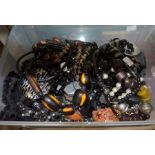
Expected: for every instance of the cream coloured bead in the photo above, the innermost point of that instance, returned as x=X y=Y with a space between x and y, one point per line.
x=114 y=89
x=118 y=85
x=128 y=91
x=111 y=93
x=105 y=76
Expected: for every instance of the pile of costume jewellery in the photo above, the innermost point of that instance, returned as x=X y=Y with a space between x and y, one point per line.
x=71 y=80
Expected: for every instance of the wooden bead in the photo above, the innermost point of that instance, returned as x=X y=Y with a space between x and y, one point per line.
x=75 y=117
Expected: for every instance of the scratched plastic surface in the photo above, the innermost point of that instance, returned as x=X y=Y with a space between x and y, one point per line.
x=22 y=37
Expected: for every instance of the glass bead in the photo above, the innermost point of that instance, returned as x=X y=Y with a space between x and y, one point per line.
x=144 y=93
